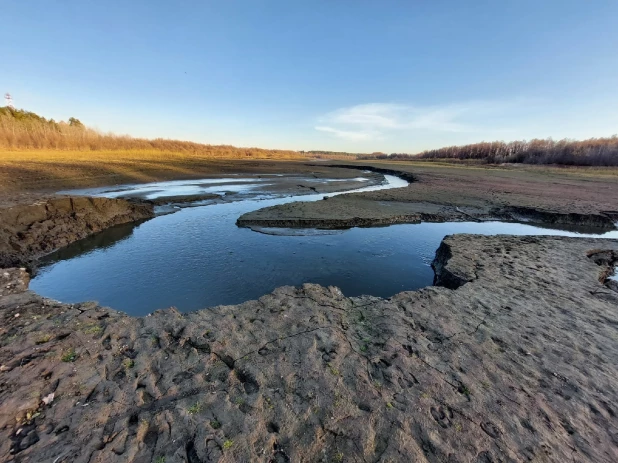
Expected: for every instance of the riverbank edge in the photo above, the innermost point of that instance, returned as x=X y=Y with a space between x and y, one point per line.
x=31 y=231
x=28 y=232
x=356 y=210
x=429 y=373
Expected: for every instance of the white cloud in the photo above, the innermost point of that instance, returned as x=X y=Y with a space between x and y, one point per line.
x=348 y=134
x=376 y=120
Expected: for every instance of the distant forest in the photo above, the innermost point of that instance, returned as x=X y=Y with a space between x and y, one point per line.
x=591 y=152
x=320 y=154
x=25 y=130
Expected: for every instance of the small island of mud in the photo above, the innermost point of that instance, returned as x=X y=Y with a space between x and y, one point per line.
x=455 y=195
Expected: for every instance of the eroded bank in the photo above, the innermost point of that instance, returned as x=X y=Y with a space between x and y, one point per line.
x=518 y=363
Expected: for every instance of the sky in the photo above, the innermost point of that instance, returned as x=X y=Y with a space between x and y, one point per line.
x=345 y=75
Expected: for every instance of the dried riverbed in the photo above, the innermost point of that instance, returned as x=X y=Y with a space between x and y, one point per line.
x=518 y=363
x=198 y=257
x=511 y=356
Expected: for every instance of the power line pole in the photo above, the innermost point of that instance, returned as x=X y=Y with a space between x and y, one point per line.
x=9 y=100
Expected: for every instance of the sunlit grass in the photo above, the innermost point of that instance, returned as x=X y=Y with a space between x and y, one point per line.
x=35 y=169
x=40 y=154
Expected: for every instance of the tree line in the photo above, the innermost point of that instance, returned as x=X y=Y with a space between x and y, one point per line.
x=24 y=130
x=590 y=152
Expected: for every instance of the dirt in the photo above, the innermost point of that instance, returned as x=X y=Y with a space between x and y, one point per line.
x=518 y=363
x=439 y=194
x=32 y=226
x=24 y=189
x=30 y=231
x=511 y=356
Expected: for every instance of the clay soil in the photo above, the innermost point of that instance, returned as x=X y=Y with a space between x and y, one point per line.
x=519 y=362
x=438 y=192
x=511 y=356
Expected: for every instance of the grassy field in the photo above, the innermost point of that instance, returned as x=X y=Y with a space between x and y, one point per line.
x=49 y=170
x=42 y=155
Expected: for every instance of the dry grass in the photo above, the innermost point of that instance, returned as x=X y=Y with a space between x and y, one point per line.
x=41 y=170
x=37 y=154
x=23 y=130
x=525 y=169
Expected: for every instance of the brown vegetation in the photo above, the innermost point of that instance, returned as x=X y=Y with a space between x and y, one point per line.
x=40 y=154
x=23 y=130
x=330 y=155
x=591 y=152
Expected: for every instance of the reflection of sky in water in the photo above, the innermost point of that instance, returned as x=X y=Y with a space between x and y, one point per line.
x=329 y=180
x=196 y=187
x=173 y=188
x=188 y=190
x=390 y=181
x=197 y=257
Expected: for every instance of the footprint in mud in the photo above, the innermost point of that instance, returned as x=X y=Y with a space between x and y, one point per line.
x=181 y=377
x=442 y=415
x=248 y=381
x=491 y=429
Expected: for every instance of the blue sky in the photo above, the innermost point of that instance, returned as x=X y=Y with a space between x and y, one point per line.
x=352 y=75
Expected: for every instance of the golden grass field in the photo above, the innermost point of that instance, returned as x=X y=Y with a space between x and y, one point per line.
x=41 y=155
x=50 y=170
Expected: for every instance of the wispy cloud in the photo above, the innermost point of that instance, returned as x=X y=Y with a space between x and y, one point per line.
x=349 y=134
x=376 y=120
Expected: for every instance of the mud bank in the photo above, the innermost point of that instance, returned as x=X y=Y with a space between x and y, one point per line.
x=347 y=211
x=519 y=363
x=407 y=176
x=425 y=200
x=29 y=231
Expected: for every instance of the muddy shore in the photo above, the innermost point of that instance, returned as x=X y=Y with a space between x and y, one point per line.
x=518 y=363
x=34 y=226
x=446 y=195
x=31 y=230
x=511 y=356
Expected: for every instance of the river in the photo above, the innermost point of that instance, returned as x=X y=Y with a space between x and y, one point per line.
x=197 y=257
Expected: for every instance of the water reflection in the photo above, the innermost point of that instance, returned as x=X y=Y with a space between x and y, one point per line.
x=98 y=241
x=198 y=258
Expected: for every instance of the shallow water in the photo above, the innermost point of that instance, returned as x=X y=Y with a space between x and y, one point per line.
x=173 y=188
x=221 y=186
x=198 y=258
